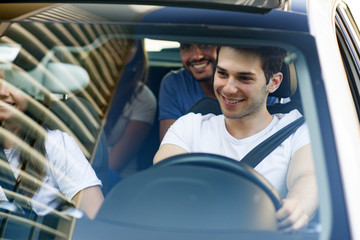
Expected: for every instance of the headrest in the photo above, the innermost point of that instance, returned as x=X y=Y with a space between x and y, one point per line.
x=289 y=83
x=56 y=77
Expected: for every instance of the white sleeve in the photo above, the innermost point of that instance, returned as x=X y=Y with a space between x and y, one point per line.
x=181 y=132
x=143 y=107
x=300 y=138
x=68 y=165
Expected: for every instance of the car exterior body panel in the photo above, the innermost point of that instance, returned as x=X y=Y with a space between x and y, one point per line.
x=308 y=32
x=343 y=119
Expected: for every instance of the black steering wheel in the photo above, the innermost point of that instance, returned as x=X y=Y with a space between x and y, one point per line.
x=225 y=164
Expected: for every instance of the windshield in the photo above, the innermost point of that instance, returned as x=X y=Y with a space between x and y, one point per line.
x=83 y=99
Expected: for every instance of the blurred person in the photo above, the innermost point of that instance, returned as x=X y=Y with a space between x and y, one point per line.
x=66 y=170
x=181 y=89
x=130 y=122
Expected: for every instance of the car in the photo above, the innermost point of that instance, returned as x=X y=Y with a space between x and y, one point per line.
x=76 y=66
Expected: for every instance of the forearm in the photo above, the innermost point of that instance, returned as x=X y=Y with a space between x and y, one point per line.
x=166 y=151
x=305 y=191
x=89 y=200
x=128 y=145
x=301 y=202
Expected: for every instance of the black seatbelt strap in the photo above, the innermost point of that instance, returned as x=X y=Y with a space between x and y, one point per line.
x=257 y=154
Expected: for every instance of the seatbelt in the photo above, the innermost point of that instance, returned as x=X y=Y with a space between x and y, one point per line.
x=257 y=154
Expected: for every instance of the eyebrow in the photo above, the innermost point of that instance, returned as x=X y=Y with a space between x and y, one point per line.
x=238 y=73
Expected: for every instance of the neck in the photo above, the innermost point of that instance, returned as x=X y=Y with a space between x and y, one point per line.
x=207 y=87
x=248 y=125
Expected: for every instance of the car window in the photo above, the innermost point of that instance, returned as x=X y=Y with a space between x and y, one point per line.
x=348 y=40
x=57 y=82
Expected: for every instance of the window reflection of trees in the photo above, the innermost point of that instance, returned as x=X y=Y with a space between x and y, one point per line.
x=102 y=51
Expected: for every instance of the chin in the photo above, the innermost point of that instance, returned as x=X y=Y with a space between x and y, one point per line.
x=202 y=78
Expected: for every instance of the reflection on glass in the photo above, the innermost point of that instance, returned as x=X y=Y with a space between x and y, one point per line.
x=55 y=88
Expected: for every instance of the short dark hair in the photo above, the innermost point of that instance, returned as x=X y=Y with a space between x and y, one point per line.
x=271 y=58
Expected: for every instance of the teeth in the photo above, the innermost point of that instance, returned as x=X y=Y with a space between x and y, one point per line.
x=4 y=104
x=200 y=65
x=231 y=101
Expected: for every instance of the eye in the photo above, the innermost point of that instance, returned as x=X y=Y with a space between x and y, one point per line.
x=205 y=47
x=244 y=78
x=221 y=73
x=185 y=47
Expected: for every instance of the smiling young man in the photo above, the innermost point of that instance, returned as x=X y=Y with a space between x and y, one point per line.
x=181 y=89
x=242 y=82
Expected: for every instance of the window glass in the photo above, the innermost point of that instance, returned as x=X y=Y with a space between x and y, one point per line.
x=79 y=110
x=57 y=82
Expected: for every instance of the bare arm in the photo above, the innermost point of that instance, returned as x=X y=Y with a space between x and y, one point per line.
x=168 y=150
x=302 y=200
x=130 y=142
x=164 y=126
x=89 y=200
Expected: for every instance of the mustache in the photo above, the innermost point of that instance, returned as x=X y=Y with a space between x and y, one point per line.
x=200 y=60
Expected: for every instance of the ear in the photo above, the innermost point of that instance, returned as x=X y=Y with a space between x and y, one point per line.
x=275 y=82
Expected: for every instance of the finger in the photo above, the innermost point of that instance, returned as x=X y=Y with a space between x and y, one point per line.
x=286 y=209
x=301 y=223
x=291 y=219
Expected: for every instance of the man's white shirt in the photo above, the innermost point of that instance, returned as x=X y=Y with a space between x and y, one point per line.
x=208 y=134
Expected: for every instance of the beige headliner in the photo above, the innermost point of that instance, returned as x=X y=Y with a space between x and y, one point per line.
x=10 y=11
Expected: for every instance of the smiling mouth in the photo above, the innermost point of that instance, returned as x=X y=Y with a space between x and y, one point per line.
x=231 y=101
x=4 y=104
x=198 y=66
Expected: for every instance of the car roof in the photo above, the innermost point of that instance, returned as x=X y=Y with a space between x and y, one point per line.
x=275 y=19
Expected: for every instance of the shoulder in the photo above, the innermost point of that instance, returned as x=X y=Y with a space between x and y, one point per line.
x=54 y=134
x=146 y=95
x=177 y=73
x=177 y=76
x=57 y=138
x=285 y=118
x=196 y=119
x=301 y=136
x=142 y=108
x=187 y=131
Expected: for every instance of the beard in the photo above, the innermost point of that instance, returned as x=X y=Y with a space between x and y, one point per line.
x=204 y=76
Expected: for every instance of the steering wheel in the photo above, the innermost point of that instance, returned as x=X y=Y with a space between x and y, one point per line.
x=225 y=164
x=194 y=192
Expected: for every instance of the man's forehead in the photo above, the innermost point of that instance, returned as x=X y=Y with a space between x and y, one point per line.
x=239 y=52
x=238 y=60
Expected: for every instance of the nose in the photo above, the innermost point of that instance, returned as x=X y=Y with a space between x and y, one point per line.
x=197 y=52
x=230 y=87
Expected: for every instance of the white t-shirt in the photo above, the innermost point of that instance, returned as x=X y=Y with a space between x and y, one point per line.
x=67 y=171
x=141 y=108
x=208 y=134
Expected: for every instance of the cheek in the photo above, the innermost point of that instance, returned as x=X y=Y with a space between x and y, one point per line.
x=185 y=57
x=21 y=102
x=218 y=83
x=211 y=54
